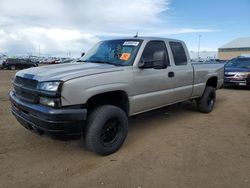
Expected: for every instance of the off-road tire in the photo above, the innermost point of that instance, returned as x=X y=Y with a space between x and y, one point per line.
x=106 y=130
x=206 y=103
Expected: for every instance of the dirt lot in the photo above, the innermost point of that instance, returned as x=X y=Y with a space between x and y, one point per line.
x=171 y=147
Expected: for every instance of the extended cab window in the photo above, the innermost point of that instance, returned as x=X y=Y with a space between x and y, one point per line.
x=152 y=51
x=178 y=52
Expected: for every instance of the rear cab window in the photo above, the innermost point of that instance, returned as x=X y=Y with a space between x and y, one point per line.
x=179 y=54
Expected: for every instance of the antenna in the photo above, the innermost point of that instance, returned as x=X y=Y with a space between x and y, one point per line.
x=136 y=35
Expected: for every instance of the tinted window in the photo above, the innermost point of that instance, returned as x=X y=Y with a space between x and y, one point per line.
x=12 y=61
x=179 y=54
x=151 y=50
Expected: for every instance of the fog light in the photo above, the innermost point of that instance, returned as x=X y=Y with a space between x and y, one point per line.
x=47 y=101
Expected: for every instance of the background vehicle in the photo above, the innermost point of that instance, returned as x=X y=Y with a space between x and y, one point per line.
x=51 y=60
x=237 y=72
x=14 y=63
x=64 y=60
x=119 y=78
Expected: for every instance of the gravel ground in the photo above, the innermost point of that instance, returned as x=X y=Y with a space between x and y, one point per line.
x=172 y=147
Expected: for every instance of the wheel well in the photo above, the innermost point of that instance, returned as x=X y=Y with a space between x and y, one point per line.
x=212 y=82
x=116 y=98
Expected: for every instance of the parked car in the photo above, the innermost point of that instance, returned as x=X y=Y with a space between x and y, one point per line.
x=237 y=72
x=119 y=78
x=64 y=60
x=15 y=63
x=216 y=61
x=49 y=61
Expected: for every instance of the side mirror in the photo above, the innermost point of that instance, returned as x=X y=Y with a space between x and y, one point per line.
x=141 y=64
x=82 y=54
x=146 y=64
x=158 y=61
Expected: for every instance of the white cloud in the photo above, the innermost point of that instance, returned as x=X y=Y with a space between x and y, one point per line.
x=60 y=26
x=50 y=41
x=79 y=14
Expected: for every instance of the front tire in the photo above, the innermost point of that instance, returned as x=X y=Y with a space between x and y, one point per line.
x=206 y=103
x=106 y=130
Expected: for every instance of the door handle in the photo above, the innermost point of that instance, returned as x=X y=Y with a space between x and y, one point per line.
x=171 y=74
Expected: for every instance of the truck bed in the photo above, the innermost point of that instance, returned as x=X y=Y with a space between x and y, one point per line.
x=203 y=71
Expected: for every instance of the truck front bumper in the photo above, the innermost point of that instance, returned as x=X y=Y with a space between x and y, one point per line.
x=42 y=119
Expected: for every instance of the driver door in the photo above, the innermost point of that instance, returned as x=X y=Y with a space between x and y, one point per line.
x=153 y=85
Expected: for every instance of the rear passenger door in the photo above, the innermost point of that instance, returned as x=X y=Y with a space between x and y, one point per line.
x=16 y=63
x=22 y=63
x=183 y=71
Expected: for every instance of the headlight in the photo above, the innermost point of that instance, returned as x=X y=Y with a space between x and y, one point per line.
x=52 y=102
x=48 y=86
x=243 y=74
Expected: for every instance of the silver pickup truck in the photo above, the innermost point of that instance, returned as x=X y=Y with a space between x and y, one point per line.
x=116 y=79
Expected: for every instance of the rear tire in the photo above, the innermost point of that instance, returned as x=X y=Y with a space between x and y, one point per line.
x=206 y=103
x=107 y=129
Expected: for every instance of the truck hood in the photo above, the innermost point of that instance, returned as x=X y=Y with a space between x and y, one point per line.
x=66 y=71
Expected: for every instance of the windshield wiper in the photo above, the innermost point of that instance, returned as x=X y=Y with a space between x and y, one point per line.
x=79 y=60
x=99 y=61
x=245 y=67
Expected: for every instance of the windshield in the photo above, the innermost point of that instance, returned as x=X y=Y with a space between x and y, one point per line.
x=239 y=63
x=116 y=52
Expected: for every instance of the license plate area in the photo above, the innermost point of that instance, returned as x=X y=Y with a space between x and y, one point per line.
x=242 y=84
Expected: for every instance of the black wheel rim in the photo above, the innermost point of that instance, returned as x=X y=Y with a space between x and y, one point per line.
x=210 y=99
x=110 y=132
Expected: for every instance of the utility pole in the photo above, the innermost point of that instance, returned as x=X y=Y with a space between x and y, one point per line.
x=199 y=43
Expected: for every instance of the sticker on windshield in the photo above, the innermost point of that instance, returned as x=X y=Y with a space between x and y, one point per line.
x=125 y=56
x=130 y=43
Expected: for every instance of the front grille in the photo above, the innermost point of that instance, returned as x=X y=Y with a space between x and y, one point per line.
x=24 y=89
x=29 y=83
x=25 y=95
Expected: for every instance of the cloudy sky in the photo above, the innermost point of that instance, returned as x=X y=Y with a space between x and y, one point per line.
x=60 y=27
